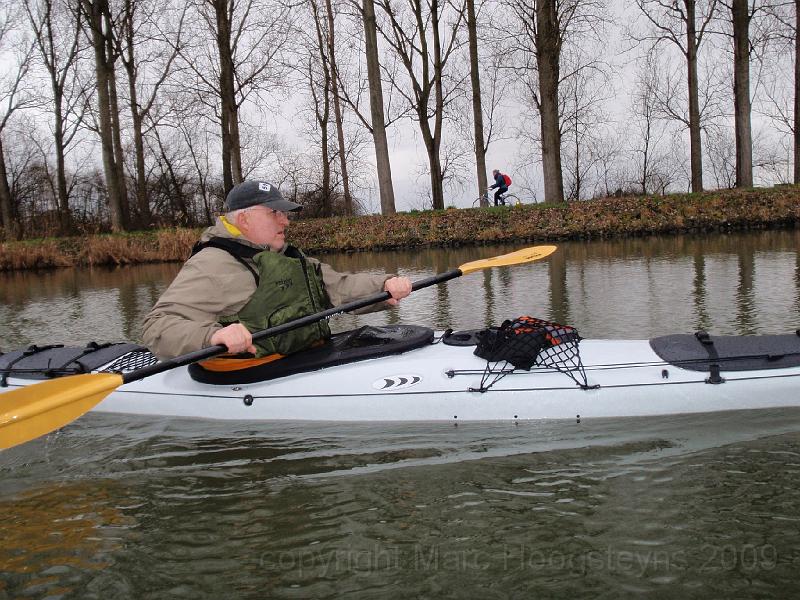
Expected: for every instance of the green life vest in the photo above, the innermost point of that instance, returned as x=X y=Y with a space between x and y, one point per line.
x=288 y=287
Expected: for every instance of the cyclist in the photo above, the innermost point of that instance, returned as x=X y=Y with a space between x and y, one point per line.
x=501 y=182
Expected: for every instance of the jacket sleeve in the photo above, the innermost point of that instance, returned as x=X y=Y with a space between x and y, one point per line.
x=346 y=287
x=186 y=315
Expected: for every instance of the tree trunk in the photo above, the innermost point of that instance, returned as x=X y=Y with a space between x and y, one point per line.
x=548 y=49
x=116 y=127
x=95 y=10
x=227 y=174
x=376 y=110
x=144 y=216
x=143 y=213
x=741 y=92
x=322 y=109
x=796 y=92
x=477 y=108
x=437 y=189
x=142 y=204
x=236 y=140
x=59 y=56
x=64 y=214
x=231 y=144
x=434 y=161
x=645 y=157
x=337 y=108
x=695 y=145
x=10 y=226
x=327 y=208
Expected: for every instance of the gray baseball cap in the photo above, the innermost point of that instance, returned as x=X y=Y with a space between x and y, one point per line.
x=251 y=193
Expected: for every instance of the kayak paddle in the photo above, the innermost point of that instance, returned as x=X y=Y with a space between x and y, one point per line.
x=37 y=409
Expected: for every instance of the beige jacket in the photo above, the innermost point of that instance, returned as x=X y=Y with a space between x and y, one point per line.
x=213 y=284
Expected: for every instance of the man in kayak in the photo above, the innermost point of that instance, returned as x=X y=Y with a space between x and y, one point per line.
x=243 y=277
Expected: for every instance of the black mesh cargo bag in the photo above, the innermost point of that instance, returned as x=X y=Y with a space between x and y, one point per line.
x=528 y=341
x=522 y=341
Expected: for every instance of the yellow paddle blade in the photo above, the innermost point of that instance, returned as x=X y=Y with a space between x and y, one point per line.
x=39 y=408
x=512 y=258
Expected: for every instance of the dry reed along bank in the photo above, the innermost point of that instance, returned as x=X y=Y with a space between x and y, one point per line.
x=610 y=217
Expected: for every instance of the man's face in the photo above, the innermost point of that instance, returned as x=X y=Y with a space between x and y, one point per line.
x=264 y=226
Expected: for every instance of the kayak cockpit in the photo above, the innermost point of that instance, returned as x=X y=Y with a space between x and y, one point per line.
x=342 y=348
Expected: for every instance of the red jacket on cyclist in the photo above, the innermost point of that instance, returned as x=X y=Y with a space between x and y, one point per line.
x=501 y=182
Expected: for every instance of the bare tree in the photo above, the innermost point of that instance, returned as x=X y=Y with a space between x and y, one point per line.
x=679 y=23
x=320 y=81
x=743 y=14
x=323 y=76
x=495 y=85
x=547 y=27
x=198 y=143
x=14 y=95
x=251 y=40
x=56 y=27
x=101 y=33
x=425 y=37
x=352 y=88
x=583 y=120
x=148 y=60
x=785 y=21
x=189 y=137
x=337 y=105
x=796 y=92
x=477 y=108
x=543 y=31
x=19 y=162
x=740 y=18
x=722 y=155
x=549 y=41
x=650 y=172
x=378 y=120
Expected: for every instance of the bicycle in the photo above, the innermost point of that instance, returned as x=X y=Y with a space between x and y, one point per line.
x=507 y=199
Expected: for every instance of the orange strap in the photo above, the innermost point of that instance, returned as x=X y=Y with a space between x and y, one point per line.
x=226 y=362
x=229 y=362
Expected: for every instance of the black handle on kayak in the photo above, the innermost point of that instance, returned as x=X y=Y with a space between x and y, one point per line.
x=211 y=351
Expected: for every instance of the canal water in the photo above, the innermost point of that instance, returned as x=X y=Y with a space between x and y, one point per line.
x=683 y=506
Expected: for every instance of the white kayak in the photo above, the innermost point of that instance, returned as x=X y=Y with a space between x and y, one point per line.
x=443 y=382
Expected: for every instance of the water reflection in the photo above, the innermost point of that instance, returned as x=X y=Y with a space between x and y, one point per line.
x=744 y=291
x=702 y=320
x=559 y=297
x=630 y=288
x=65 y=529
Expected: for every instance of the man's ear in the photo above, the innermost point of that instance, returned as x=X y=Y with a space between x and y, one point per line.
x=242 y=220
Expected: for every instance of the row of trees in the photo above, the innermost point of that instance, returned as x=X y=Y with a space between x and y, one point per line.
x=132 y=113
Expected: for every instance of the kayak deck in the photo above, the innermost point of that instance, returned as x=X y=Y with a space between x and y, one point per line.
x=440 y=382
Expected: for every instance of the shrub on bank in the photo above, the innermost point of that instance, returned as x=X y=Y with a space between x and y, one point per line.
x=608 y=217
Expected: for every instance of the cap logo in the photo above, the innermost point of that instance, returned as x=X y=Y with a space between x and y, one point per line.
x=264 y=187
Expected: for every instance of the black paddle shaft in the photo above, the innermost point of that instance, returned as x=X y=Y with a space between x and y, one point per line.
x=211 y=351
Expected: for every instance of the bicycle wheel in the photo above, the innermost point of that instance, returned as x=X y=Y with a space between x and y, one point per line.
x=477 y=202
x=512 y=200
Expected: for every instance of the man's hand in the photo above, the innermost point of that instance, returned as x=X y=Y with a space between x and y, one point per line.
x=236 y=337
x=398 y=287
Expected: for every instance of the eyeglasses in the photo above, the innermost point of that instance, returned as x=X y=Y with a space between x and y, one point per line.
x=278 y=213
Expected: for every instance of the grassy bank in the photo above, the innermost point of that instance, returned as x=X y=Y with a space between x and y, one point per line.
x=725 y=210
